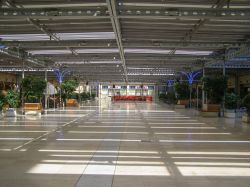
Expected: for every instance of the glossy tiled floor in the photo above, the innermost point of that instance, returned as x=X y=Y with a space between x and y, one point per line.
x=123 y=145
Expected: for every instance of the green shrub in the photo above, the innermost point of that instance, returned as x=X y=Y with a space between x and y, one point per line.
x=74 y=96
x=12 y=99
x=215 y=88
x=181 y=90
x=171 y=98
x=33 y=89
x=162 y=96
x=231 y=101
x=93 y=95
x=246 y=103
x=68 y=87
x=2 y=100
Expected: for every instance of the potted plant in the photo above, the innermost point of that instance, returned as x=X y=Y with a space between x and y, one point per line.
x=171 y=97
x=215 y=88
x=2 y=102
x=231 y=102
x=182 y=94
x=68 y=87
x=33 y=90
x=246 y=103
x=163 y=97
x=12 y=102
x=93 y=95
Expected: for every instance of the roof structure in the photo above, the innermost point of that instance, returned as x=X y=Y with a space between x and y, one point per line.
x=124 y=40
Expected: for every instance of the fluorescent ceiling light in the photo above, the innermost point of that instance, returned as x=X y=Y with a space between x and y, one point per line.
x=20 y=70
x=162 y=51
x=135 y=68
x=86 y=35
x=97 y=50
x=166 y=5
x=89 y=62
x=24 y=37
x=150 y=74
x=149 y=51
x=45 y=52
x=80 y=51
x=77 y=5
x=186 y=52
x=62 y=36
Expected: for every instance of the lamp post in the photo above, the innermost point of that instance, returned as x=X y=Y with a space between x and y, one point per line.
x=190 y=76
x=60 y=74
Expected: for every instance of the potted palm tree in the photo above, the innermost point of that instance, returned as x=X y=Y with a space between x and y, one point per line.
x=33 y=90
x=182 y=94
x=246 y=103
x=231 y=102
x=12 y=102
x=215 y=88
x=68 y=87
x=2 y=102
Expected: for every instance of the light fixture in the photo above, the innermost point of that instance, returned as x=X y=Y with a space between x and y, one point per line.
x=89 y=62
x=149 y=51
x=191 y=52
x=62 y=36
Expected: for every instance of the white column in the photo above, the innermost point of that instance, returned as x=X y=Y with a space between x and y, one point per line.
x=203 y=92
x=46 y=91
x=224 y=96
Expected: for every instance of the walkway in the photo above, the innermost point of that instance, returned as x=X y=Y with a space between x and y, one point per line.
x=123 y=145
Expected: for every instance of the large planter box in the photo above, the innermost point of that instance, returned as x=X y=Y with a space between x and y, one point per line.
x=209 y=114
x=183 y=102
x=211 y=108
x=246 y=118
x=230 y=113
x=33 y=108
x=180 y=106
x=10 y=112
x=71 y=102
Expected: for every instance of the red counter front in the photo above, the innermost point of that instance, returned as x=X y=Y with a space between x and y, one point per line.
x=132 y=98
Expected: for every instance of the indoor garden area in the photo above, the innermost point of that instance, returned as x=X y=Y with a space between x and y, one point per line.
x=124 y=93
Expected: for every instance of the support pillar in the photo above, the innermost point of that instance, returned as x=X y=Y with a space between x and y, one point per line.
x=23 y=75
x=46 y=92
x=224 y=96
x=203 y=92
x=237 y=83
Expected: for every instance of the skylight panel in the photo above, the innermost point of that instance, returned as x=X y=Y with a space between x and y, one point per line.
x=62 y=36
x=113 y=50
x=147 y=51
x=186 y=52
x=49 y=52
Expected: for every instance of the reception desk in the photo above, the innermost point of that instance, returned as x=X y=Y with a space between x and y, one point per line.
x=132 y=98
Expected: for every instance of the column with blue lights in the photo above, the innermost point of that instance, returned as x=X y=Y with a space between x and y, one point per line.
x=190 y=77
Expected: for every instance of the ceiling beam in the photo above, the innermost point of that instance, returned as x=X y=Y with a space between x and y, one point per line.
x=111 y=44
x=51 y=35
x=117 y=30
x=36 y=23
x=23 y=56
x=243 y=51
x=188 y=36
x=79 y=13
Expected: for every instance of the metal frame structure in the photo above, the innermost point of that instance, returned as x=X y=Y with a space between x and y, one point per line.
x=124 y=40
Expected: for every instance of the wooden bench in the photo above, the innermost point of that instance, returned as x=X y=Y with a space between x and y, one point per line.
x=71 y=102
x=36 y=107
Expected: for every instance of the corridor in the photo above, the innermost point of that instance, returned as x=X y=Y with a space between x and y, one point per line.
x=123 y=144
